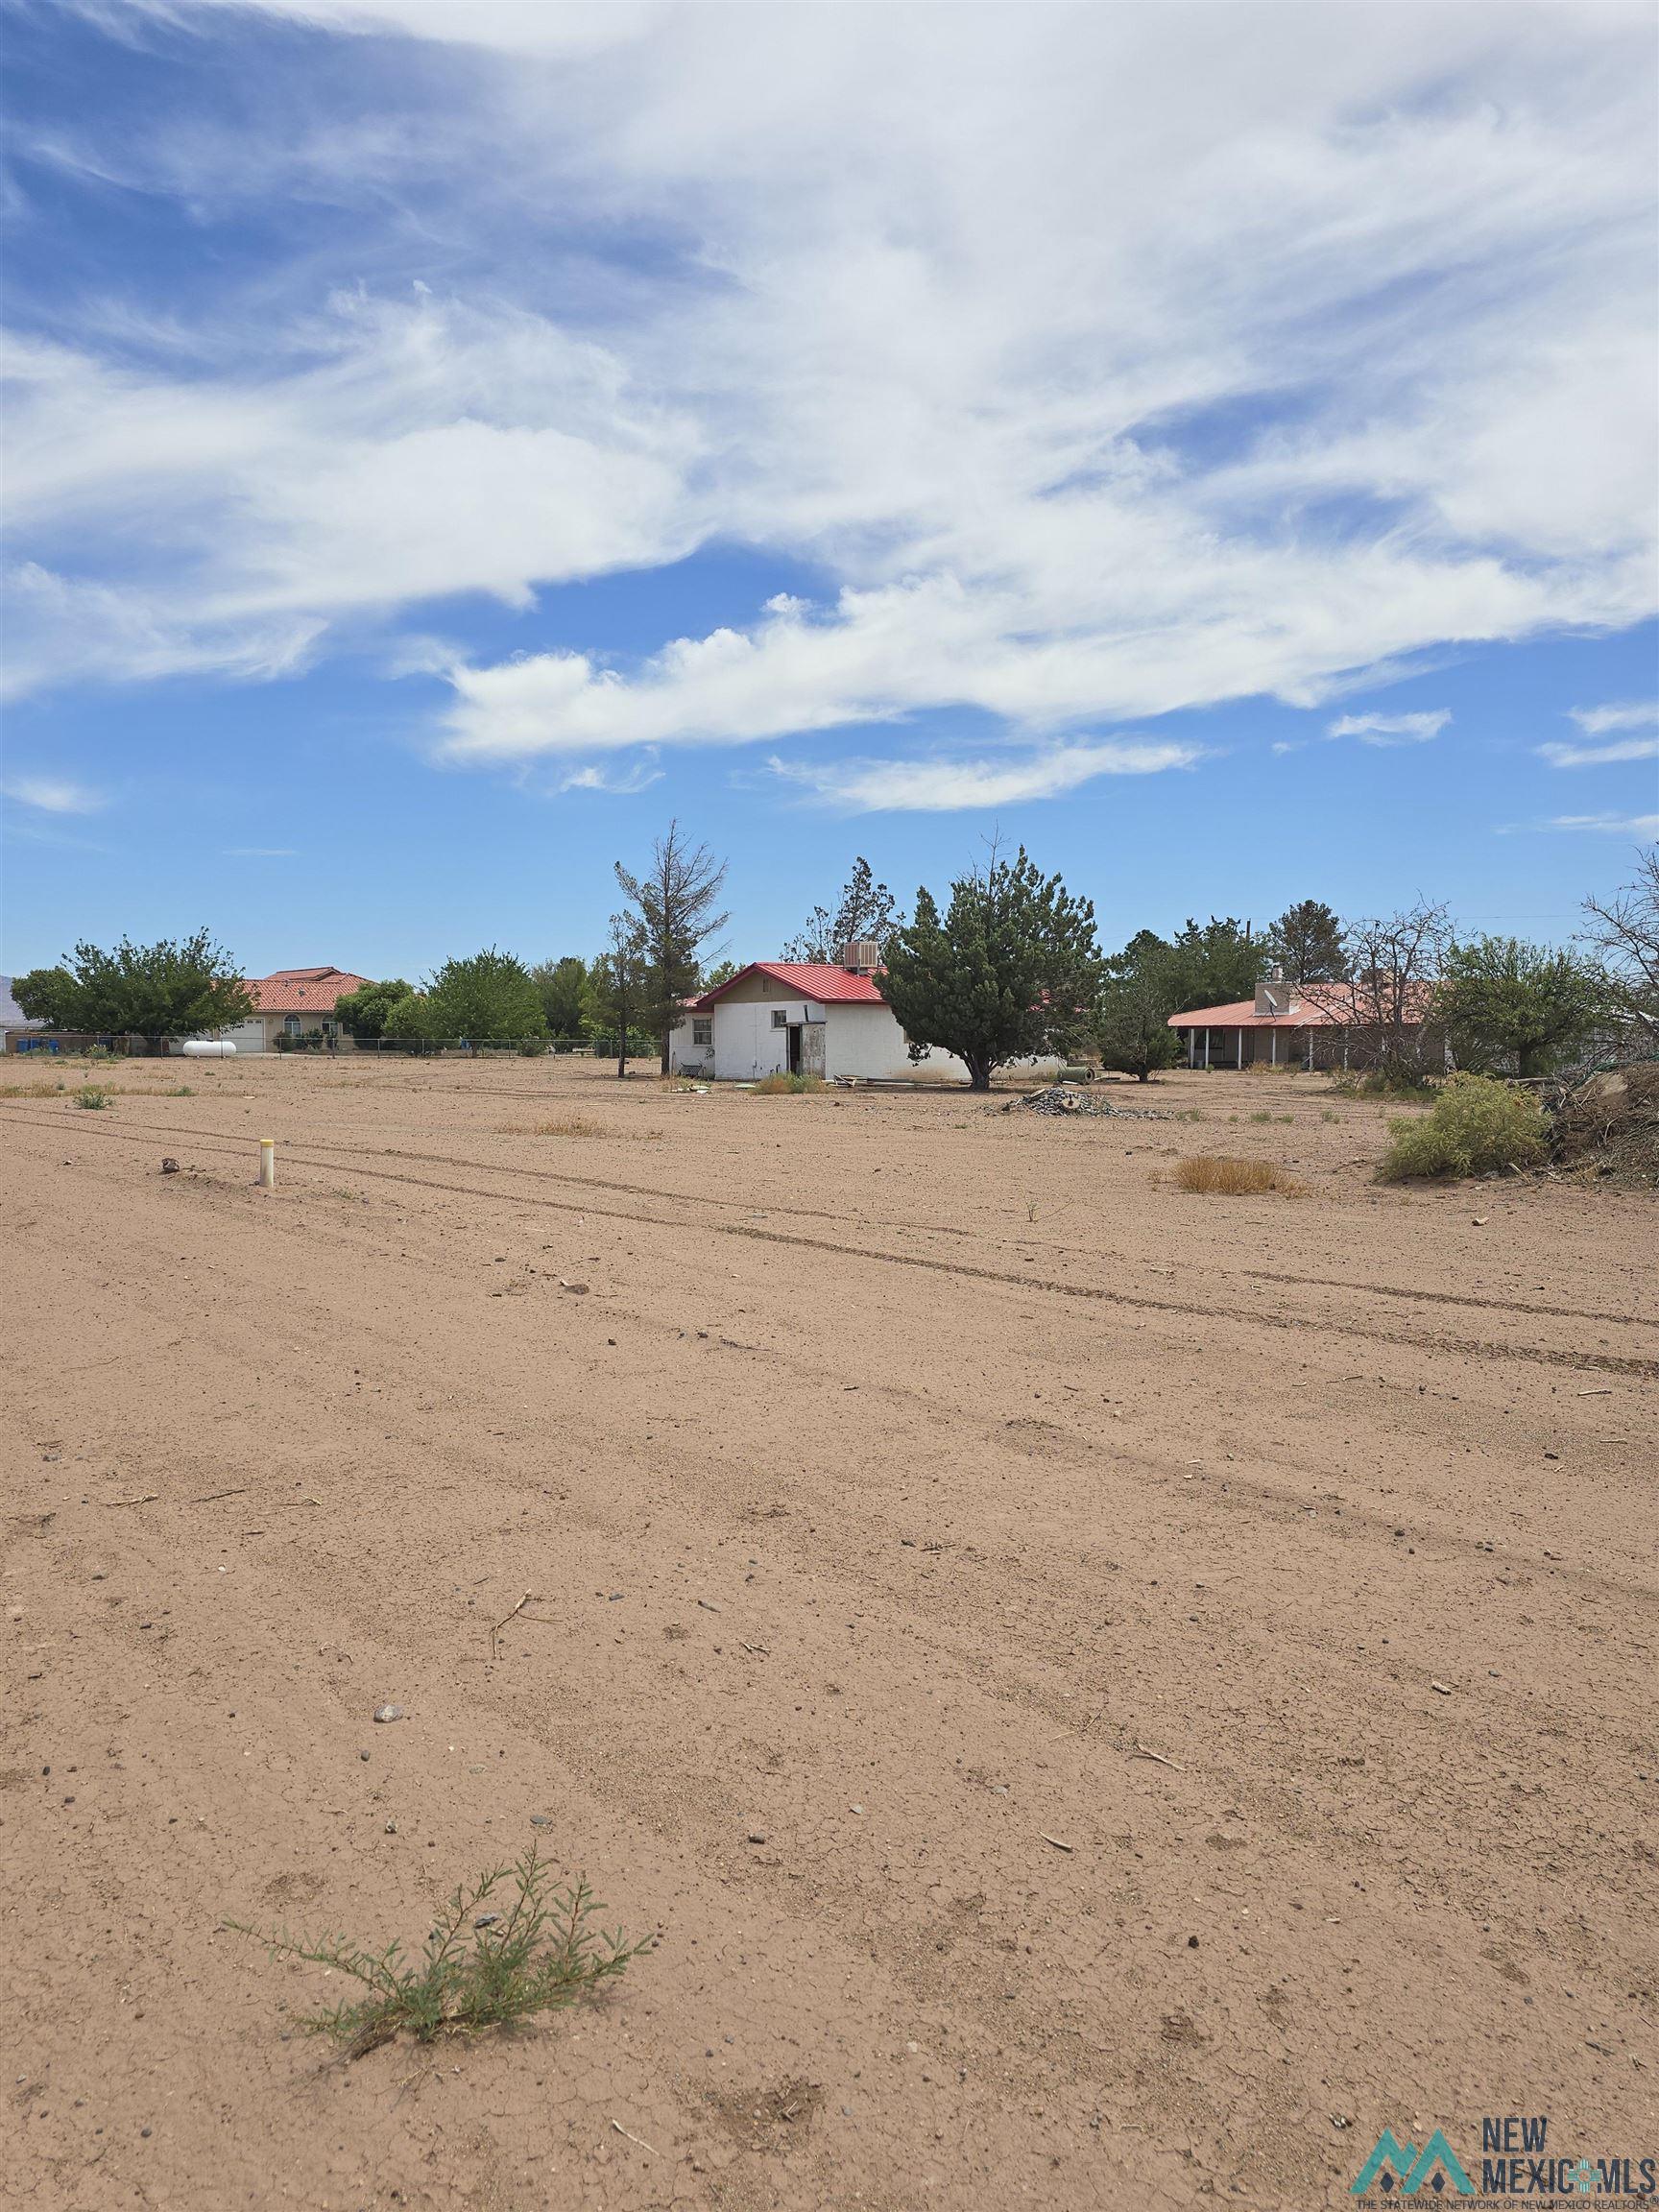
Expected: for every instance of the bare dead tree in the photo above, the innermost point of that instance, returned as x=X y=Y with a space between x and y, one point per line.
x=1387 y=1002
x=675 y=903
x=1624 y=931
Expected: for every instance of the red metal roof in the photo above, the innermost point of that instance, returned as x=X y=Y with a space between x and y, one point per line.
x=303 y=990
x=1242 y=1014
x=830 y=986
x=1311 y=1013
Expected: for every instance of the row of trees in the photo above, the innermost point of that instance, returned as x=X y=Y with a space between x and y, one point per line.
x=1011 y=968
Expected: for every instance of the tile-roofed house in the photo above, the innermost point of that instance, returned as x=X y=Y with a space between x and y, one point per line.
x=294 y=1003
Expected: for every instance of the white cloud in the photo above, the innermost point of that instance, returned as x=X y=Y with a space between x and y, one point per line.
x=1638 y=826
x=1391 y=729
x=947 y=785
x=1623 y=714
x=618 y=784
x=51 y=794
x=1599 y=755
x=1099 y=378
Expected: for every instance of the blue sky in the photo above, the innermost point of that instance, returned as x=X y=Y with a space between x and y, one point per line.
x=1213 y=447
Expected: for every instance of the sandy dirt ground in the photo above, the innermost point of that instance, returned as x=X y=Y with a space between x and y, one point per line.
x=1110 y=1697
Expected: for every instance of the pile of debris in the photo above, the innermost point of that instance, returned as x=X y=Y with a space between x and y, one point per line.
x=1609 y=1124
x=1066 y=1098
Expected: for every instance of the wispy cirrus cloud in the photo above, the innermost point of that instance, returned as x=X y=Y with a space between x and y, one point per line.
x=51 y=794
x=1391 y=729
x=1639 y=827
x=1620 y=714
x=945 y=785
x=1602 y=726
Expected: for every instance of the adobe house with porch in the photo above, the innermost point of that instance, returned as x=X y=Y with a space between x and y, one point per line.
x=1282 y=1028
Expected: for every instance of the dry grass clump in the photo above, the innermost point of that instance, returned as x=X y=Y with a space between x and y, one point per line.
x=561 y=1126
x=1231 y=1178
x=41 y=1090
x=539 y=1953
x=785 y=1086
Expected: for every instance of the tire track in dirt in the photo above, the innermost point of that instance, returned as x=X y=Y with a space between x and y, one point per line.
x=1599 y=1362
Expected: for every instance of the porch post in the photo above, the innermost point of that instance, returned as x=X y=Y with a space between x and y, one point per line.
x=1240 y=1043
x=1206 y=1049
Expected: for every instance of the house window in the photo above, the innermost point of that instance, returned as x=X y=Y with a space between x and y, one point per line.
x=703 y=1032
x=780 y=1016
x=292 y=1025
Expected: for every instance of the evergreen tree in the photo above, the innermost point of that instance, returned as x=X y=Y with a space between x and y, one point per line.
x=864 y=909
x=1141 y=990
x=1011 y=971
x=674 y=912
x=1306 y=942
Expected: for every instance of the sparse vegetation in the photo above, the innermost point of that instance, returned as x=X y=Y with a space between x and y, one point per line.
x=565 y=1125
x=181 y=1091
x=540 y=1952
x=1222 y=1176
x=780 y=1086
x=93 y=1096
x=1478 y=1125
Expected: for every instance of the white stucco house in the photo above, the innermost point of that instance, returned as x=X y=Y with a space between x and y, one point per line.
x=786 y=1017
x=293 y=1004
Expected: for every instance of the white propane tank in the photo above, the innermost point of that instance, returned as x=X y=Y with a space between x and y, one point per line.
x=208 y=1049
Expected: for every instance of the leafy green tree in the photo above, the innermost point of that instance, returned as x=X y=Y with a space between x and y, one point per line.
x=619 y=988
x=1011 y=971
x=488 y=999
x=1141 y=990
x=46 y=994
x=1503 y=999
x=558 y=985
x=1306 y=942
x=674 y=914
x=864 y=909
x=408 y=1021
x=175 y=988
x=363 y=1013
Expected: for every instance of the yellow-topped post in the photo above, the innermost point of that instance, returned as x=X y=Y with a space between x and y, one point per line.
x=267 y=1163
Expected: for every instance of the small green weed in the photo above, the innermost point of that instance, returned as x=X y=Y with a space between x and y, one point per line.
x=93 y=1096
x=181 y=1091
x=539 y=1953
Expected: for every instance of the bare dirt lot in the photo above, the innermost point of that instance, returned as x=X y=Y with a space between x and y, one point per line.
x=1111 y=1696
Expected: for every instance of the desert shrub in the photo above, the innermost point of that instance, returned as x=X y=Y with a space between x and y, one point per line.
x=1402 y=1089
x=1477 y=1126
x=782 y=1086
x=540 y=1952
x=570 y=1125
x=93 y=1096
x=1232 y=1178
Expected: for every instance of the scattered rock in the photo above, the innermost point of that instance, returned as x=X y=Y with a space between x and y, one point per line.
x=576 y=1290
x=169 y=1167
x=1444 y=1687
x=1066 y=1098
x=756 y=1835
x=387 y=1713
